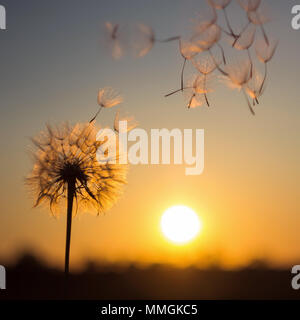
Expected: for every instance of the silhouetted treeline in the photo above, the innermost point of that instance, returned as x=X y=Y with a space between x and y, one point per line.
x=30 y=279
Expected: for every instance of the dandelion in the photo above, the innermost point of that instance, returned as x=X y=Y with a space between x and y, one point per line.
x=205 y=20
x=107 y=98
x=131 y=123
x=245 y=41
x=255 y=87
x=188 y=50
x=206 y=66
x=259 y=17
x=145 y=39
x=265 y=52
x=222 y=5
x=196 y=91
x=113 y=38
x=208 y=38
x=237 y=77
x=66 y=170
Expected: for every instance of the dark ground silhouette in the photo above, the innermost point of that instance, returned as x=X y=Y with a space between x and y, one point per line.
x=30 y=279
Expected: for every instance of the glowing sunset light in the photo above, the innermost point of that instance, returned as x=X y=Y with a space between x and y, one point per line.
x=180 y=224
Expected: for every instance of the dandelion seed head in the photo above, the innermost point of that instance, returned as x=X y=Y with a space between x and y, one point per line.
x=108 y=97
x=207 y=38
x=205 y=65
x=143 y=40
x=264 y=51
x=204 y=20
x=246 y=39
x=255 y=85
x=258 y=17
x=238 y=74
x=65 y=154
x=131 y=123
x=113 y=38
x=188 y=49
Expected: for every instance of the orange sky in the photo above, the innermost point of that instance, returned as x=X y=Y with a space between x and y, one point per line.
x=247 y=196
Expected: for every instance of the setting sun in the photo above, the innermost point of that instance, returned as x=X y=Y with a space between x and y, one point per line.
x=180 y=224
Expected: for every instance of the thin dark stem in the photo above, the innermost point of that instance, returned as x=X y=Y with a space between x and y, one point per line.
x=228 y=23
x=168 y=39
x=190 y=102
x=96 y=115
x=264 y=34
x=251 y=63
x=182 y=72
x=239 y=35
x=204 y=87
x=223 y=52
x=71 y=194
x=248 y=103
x=226 y=32
x=264 y=80
x=173 y=92
x=206 y=99
x=217 y=65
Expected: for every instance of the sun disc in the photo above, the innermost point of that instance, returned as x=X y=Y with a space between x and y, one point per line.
x=180 y=224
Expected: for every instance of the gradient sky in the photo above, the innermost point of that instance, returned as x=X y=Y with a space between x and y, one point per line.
x=53 y=60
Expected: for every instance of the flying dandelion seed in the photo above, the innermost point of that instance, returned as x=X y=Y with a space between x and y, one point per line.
x=205 y=20
x=238 y=75
x=131 y=123
x=245 y=42
x=193 y=98
x=113 y=39
x=207 y=38
x=206 y=66
x=222 y=5
x=255 y=86
x=144 y=40
x=265 y=53
x=66 y=169
x=259 y=17
x=107 y=98
x=188 y=50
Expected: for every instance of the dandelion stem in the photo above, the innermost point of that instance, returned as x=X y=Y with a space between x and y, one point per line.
x=251 y=63
x=191 y=100
x=223 y=53
x=182 y=72
x=217 y=65
x=71 y=193
x=264 y=34
x=264 y=80
x=248 y=103
x=206 y=99
x=96 y=115
x=228 y=23
x=168 y=39
x=239 y=35
x=173 y=92
x=204 y=89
